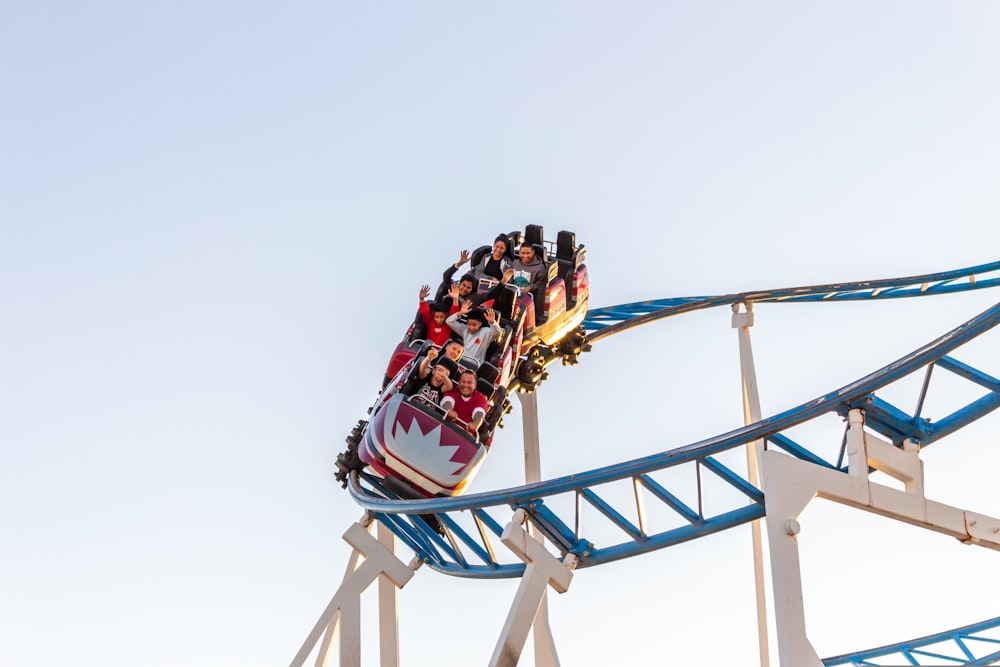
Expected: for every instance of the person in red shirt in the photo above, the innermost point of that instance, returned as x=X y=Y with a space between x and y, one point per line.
x=464 y=404
x=434 y=316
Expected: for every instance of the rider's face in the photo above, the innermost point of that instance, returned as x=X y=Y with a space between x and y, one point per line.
x=467 y=384
x=440 y=374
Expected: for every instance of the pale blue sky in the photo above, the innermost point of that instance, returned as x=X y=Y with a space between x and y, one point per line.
x=217 y=216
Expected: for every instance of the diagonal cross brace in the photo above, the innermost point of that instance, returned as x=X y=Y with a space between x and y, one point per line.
x=345 y=607
x=790 y=485
x=542 y=570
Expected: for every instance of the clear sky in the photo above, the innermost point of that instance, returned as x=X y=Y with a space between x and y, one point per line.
x=217 y=217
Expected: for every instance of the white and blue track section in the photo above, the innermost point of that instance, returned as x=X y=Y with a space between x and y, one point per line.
x=624 y=495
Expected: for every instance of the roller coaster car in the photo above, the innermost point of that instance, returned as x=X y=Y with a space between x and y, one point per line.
x=410 y=443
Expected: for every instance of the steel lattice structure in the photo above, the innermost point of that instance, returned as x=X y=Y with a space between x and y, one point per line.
x=715 y=496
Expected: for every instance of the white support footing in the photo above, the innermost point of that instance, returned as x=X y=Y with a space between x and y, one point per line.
x=343 y=614
x=542 y=570
x=790 y=485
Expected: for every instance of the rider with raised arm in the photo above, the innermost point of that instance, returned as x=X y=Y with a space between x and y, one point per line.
x=448 y=274
x=464 y=290
x=434 y=316
x=432 y=384
x=475 y=337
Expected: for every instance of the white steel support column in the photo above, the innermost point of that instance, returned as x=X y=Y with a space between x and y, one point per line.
x=784 y=505
x=323 y=657
x=751 y=413
x=790 y=485
x=544 y=642
x=542 y=570
x=388 y=607
x=532 y=458
x=343 y=613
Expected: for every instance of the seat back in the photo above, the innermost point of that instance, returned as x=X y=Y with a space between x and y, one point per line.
x=494 y=414
x=413 y=379
x=533 y=235
x=497 y=345
x=477 y=256
x=541 y=253
x=504 y=302
x=488 y=372
x=565 y=246
x=485 y=387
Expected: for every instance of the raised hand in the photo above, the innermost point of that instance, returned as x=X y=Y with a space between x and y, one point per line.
x=424 y=291
x=463 y=258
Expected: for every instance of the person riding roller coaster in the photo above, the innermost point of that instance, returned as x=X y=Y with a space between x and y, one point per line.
x=530 y=274
x=494 y=264
x=418 y=447
x=465 y=404
x=433 y=316
x=475 y=336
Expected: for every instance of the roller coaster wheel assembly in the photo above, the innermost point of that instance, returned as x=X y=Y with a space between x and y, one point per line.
x=531 y=371
x=349 y=460
x=573 y=345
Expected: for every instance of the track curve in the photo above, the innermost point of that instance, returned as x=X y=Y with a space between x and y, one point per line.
x=546 y=502
x=567 y=509
x=603 y=322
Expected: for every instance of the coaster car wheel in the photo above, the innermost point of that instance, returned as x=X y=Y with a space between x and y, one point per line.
x=573 y=345
x=349 y=460
x=531 y=371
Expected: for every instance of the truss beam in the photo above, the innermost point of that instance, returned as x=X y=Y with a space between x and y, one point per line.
x=791 y=484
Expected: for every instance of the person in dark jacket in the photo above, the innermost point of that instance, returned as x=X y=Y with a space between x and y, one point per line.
x=494 y=264
x=529 y=272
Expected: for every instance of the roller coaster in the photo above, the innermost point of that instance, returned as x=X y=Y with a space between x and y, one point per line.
x=543 y=531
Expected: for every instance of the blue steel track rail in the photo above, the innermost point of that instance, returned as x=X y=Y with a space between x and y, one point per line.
x=603 y=322
x=976 y=644
x=474 y=522
x=601 y=515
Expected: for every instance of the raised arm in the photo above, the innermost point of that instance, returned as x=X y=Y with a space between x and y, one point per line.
x=449 y=273
x=491 y=319
x=425 y=365
x=425 y=309
x=453 y=322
